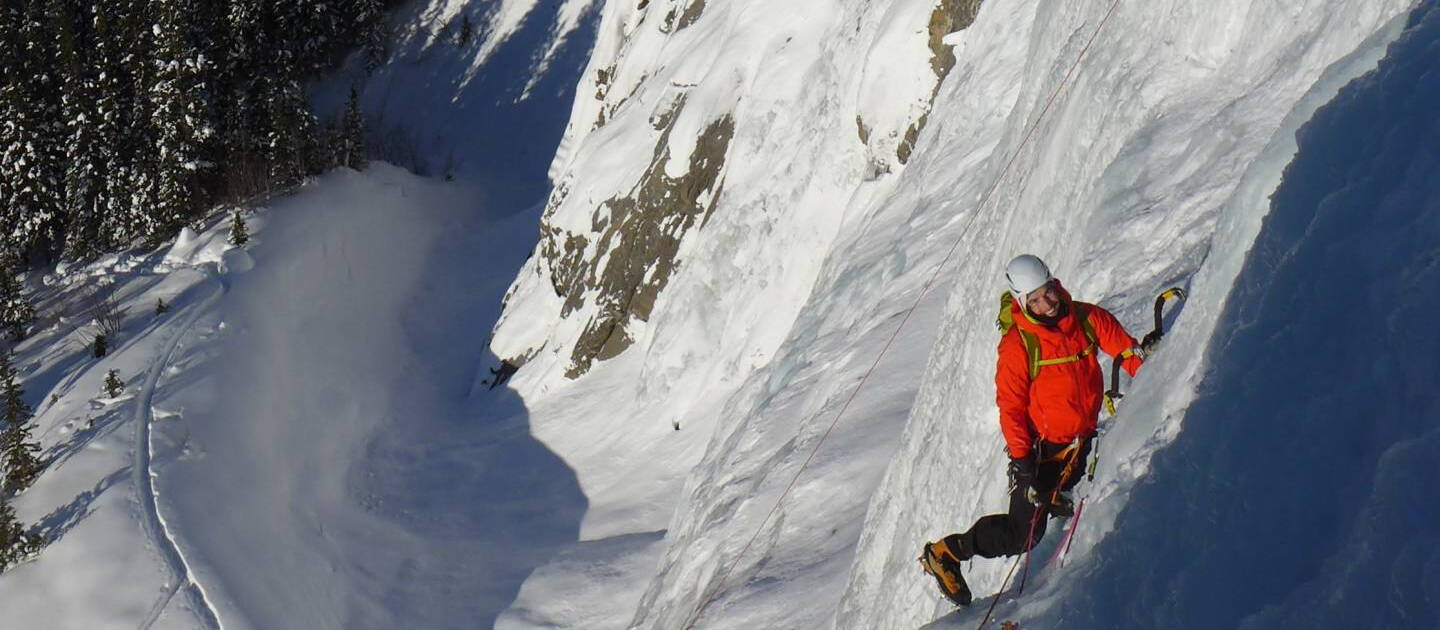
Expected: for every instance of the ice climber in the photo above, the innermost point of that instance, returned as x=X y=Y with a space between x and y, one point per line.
x=1048 y=386
x=503 y=374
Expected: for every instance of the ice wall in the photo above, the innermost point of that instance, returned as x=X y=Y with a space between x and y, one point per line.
x=1194 y=173
x=1152 y=168
x=1173 y=130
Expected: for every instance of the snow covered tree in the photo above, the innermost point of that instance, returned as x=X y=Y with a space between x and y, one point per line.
x=113 y=385
x=239 y=235
x=16 y=311
x=85 y=136
x=29 y=189
x=16 y=445
x=117 y=221
x=128 y=119
x=181 y=119
x=292 y=129
x=352 y=135
x=15 y=543
x=133 y=179
x=370 y=21
x=32 y=112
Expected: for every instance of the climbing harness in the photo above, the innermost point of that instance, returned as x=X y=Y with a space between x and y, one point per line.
x=1040 y=512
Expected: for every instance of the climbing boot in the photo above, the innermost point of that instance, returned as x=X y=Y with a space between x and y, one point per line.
x=1062 y=505
x=939 y=561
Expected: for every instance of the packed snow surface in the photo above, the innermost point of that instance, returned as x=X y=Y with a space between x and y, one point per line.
x=308 y=437
x=304 y=442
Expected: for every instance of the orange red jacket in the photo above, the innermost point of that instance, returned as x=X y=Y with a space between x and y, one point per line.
x=1063 y=402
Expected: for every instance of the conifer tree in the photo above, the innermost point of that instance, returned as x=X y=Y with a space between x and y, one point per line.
x=29 y=191
x=292 y=129
x=352 y=134
x=134 y=177
x=16 y=445
x=127 y=119
x=85 y=151
x=113 y=104
x=370 y=20
x=113 y=385
x=16 y=311
x=15 y=543
x=34 y=163
x=182 y=122
x=239 y=235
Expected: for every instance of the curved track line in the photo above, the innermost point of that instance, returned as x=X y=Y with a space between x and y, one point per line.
x=143 y=478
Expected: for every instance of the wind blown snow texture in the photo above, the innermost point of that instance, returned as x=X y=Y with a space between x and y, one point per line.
x=1225 y=172
x=325 y=455
x=327 y=471
x=322 y=454
x=1151 y=170
x=376 y=484
x=1297 y=495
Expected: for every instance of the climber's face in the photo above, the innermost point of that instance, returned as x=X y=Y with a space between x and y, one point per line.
x=1044 y=301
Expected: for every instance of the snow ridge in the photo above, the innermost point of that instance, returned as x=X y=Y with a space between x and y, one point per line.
x=143 y=476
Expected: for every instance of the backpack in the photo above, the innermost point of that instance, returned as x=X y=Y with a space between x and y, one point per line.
x=1005 y=322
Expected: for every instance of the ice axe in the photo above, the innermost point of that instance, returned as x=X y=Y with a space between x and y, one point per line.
x=1149 y=341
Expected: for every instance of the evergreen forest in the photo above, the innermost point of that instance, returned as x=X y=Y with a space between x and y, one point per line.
x=123 y=121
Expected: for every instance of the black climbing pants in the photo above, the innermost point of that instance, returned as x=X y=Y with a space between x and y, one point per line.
x=999 y=535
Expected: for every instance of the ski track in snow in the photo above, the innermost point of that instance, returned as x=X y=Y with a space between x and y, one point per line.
x=151 y=518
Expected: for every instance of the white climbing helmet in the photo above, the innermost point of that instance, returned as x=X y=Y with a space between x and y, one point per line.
x=1025 y=274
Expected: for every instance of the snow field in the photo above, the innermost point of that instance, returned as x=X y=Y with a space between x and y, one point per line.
x=327 y=454
x=106 y=564
x=335 y=417
x=310 y=415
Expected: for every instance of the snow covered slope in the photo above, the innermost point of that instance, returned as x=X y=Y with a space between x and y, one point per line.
x=790 y=250
x=255 y=473
x=485 y=110
x=303 y=443
x=1296 y=495
x=364 y=483
x=749 y=199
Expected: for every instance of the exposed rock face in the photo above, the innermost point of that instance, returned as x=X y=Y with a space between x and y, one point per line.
x=610 y=267
x=949 y=16
x=685 y=17
x=635 y=240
